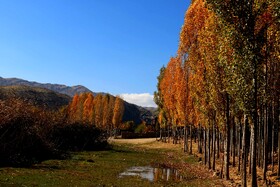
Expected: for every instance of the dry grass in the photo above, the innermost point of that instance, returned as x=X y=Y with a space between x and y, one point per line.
x=183 y=161
x=235 y=177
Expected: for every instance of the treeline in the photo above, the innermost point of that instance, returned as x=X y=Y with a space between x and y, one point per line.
x=103 y=111
x=223 y=86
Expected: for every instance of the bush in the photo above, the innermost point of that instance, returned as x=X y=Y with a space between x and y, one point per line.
x=22 y=143
x=140 y=128
x=22 y=135
x=144 y=128
x=78 y=137
x=127 y=126
x=29 y=134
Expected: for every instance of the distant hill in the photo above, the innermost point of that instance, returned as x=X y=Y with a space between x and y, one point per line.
x=56 y=95
x=153 y=110
x=38 y=96
x=136 y=113
x=63 y=89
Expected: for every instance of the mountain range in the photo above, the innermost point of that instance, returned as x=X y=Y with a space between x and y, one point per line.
x=63 y=89
x=42 y=97
x=57 y=95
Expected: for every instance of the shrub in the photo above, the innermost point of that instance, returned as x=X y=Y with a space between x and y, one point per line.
x=29 y=134
x=23 y=134
x=78 y=137
x=127 y=126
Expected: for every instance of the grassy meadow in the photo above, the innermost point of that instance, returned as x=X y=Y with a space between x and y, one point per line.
x=102 y=168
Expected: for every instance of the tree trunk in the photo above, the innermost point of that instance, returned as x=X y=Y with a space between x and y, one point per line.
x=195 y=136
x=190 y=140
x=239 y=144
x=214 y=146
x=273 y=139
x=255 y=121
x=222 y=168
x=253 y=154
x=209 y=147
x=168 y=133
x=181 y=134
x=233 y=143
x=177 y=135
x=278 y=172
x=186 y=139
x=205 y=150
x=227 y=140
x=226 y=153
x=265 y=130
x=250 y=154
x=218 y=143
x=199 y=140
x=165 y=134
x=260 y=139
x=244 y=154
x=173 y=135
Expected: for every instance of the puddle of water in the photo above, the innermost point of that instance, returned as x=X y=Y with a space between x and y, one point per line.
x=153 y=174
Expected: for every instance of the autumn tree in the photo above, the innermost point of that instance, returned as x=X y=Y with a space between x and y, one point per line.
x=226 y=72
x=88 y=109
x=158 y=99
x=98 y=115
x=118 y=112
x=108 y=111
x=73 y=108
x=247 y=38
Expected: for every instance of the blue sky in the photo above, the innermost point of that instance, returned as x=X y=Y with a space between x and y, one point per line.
x=115 y=46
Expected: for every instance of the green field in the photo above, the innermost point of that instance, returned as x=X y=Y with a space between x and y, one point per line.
x=103 y=168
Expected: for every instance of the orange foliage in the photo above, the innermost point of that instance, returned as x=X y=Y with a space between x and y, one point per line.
x=100 y=111
x=118 y=112
x=88 y=109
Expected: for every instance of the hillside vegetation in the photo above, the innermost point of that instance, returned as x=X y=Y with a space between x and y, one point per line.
x=40 y=97
x=63 y=89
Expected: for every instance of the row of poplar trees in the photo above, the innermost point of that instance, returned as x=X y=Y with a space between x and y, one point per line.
x=224 y=84
x=103 y=110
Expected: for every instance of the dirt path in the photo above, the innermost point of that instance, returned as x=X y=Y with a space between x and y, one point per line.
x=132 y=141
x=175 y=158
x=152 y=143
x=149 y=143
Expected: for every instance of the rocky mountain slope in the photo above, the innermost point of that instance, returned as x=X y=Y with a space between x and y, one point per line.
x=38 y=96
x=63 y=89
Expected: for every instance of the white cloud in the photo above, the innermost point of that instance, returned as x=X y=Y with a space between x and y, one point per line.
x=143 y=99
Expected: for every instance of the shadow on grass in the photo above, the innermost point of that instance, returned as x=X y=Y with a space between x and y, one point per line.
x=53 y=162
x=49 y=162
x=122 y=151
x=48 y=167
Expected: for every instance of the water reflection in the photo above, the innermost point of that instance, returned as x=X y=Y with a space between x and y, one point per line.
x=154 y=174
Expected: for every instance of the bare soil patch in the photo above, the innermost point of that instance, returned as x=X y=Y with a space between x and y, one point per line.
x=149 y=143
x=138 y=141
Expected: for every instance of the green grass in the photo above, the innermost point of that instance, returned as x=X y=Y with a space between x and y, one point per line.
x=100 y=168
